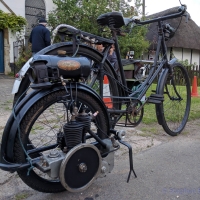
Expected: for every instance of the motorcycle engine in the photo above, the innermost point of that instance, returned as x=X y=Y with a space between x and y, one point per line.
x=76 y=163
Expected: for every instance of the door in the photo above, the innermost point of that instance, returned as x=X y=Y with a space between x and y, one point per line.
x=1 y=52
x=34 y=10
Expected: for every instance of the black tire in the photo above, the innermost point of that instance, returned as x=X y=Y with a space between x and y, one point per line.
x=96 y=58
x=174 y=111
x=39 y=128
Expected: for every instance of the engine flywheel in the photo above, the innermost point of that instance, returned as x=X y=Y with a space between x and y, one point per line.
x=80 y=167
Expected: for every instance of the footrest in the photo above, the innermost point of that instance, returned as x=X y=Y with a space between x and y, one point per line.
x=155 y=98
x=131 y=80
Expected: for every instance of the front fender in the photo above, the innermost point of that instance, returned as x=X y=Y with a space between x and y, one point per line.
x=21 y=109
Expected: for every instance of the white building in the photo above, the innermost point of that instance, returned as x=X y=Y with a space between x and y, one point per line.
x=184 y=45
x=32 y=10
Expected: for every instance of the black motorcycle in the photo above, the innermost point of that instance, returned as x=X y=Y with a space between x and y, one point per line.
x=58 y=136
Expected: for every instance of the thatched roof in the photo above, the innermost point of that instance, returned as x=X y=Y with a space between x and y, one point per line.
x=187 y=35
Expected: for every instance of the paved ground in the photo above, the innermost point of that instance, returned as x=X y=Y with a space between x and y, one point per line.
x=167 y=167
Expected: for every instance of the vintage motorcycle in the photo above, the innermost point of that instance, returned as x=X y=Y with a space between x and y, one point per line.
x=58 y=136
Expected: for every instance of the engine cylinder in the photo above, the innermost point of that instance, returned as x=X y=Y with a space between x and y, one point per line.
x=85 y=120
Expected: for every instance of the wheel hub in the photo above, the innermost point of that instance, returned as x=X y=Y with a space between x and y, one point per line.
x=83 y=167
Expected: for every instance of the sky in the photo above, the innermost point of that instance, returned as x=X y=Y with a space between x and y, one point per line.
x=154 y=6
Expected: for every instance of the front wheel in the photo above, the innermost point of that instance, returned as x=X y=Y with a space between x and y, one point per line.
x=41 y=126
x=174 y=111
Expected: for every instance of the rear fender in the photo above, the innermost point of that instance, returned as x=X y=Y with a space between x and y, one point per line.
x=10 y=131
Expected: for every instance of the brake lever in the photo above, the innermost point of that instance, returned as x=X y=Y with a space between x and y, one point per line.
x=136 y=19
x=187 y=17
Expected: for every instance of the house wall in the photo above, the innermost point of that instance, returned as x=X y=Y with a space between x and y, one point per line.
x=3 y=8
x=177 y=52
x=193 y=56
x=187 y=55
x=8 y=53
x=19 y=9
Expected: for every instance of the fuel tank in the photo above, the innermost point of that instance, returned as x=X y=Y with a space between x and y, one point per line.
x=46 y=69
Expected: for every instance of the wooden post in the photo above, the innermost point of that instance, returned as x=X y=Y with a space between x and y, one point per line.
x=143 y=8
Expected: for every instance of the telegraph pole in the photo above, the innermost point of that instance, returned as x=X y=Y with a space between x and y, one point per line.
x=143 y=8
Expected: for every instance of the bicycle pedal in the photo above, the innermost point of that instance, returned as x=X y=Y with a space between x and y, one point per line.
x=155 y=98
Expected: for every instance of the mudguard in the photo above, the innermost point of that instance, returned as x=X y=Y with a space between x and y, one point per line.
x=21 y=109
x=159 y=85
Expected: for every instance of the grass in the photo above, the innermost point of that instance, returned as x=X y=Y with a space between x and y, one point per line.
x=21 y=196
x=11 y=74
x=149 y=109
x=152 y=129
x=195 y=107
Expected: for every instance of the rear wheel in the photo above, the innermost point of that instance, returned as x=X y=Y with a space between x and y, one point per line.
x=40 y=127
x=174 y=111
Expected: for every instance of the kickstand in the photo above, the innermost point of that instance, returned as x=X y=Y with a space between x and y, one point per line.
x=130 y=159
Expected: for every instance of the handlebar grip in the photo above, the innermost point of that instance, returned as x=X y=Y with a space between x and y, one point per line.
x=182 y=8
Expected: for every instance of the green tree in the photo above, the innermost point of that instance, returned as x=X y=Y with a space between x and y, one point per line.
x=134 y=41
x=82 y=14
x=11 y=21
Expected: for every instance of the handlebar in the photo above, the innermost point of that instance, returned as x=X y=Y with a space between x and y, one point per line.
x=181 y=11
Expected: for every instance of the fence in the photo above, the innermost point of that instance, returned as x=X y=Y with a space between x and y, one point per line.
x=194 y=71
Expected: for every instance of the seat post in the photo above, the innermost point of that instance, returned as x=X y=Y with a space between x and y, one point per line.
x=114 y=35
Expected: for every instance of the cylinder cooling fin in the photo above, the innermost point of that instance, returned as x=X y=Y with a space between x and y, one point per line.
x=73 y=132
